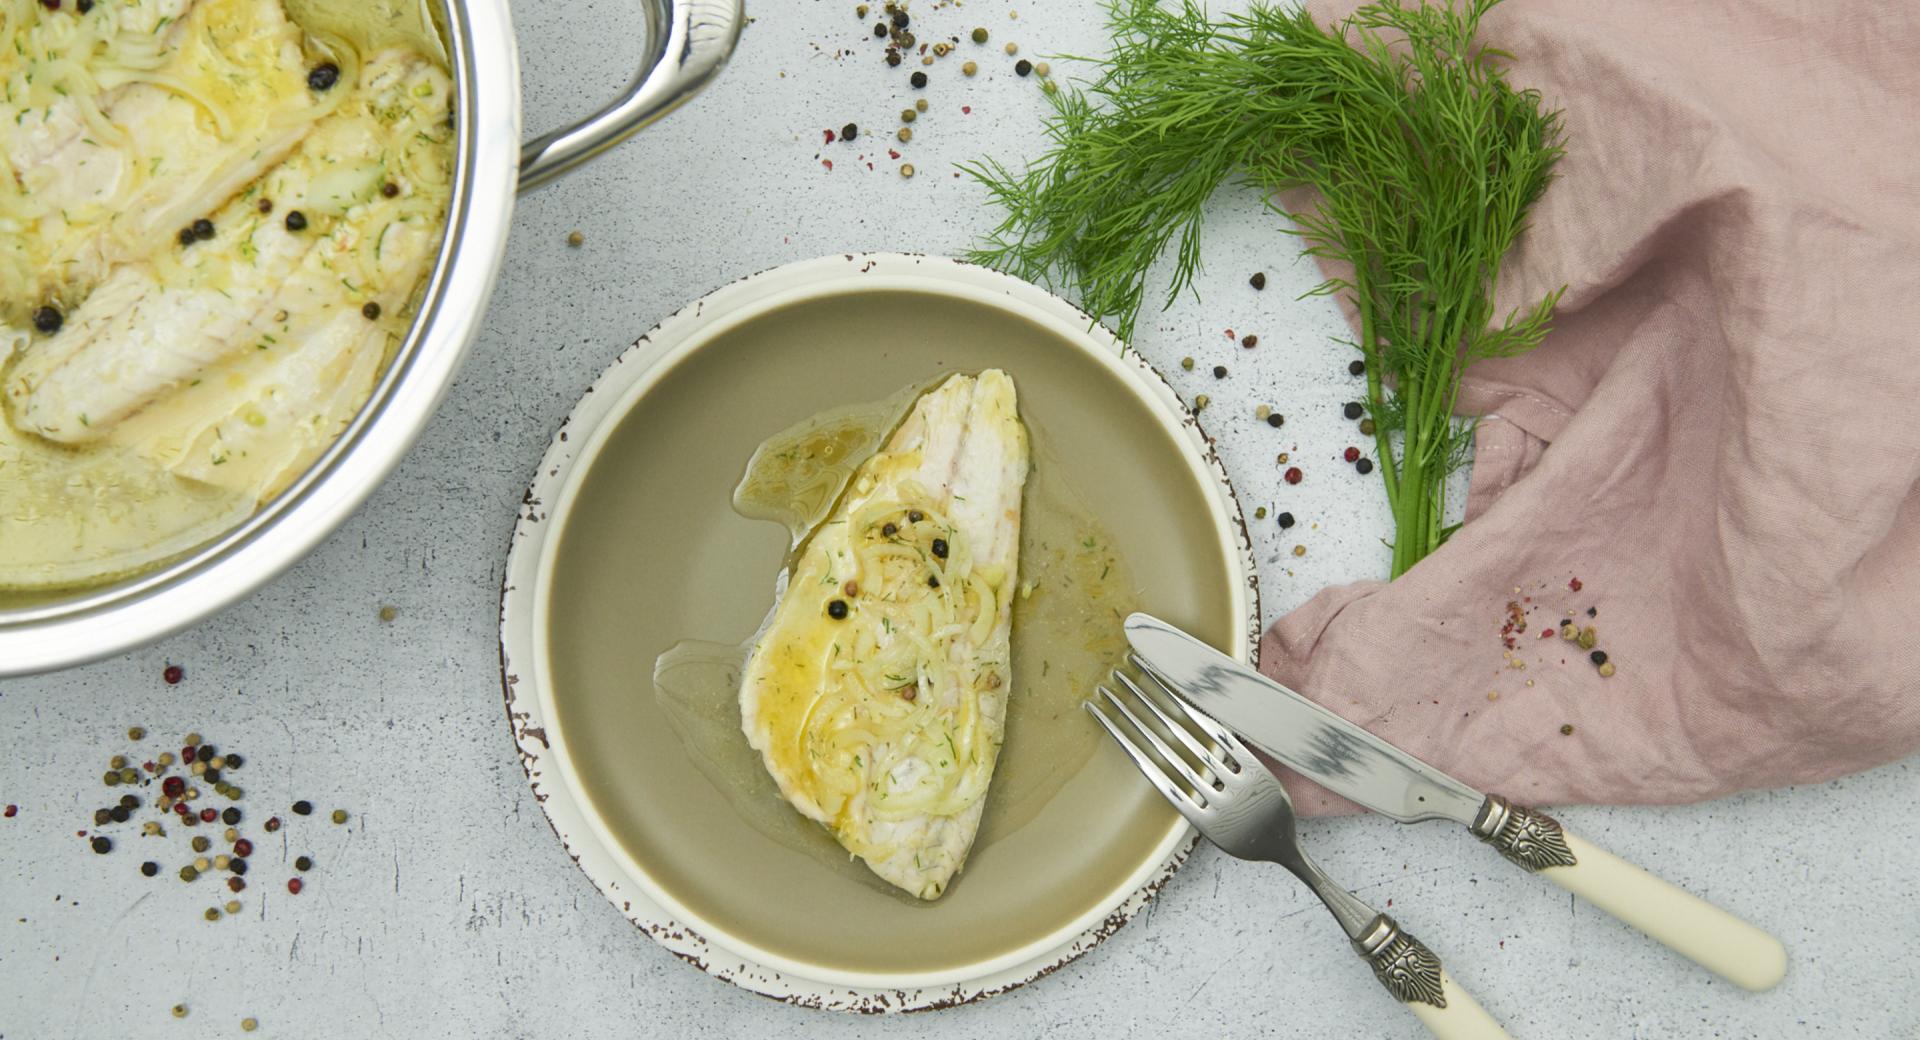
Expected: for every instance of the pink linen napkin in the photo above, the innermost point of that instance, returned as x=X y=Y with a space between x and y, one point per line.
x=1718 y=444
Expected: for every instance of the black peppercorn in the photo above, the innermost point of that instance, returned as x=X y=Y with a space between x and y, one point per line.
x=237 y=865
x=940 y=547
x=119 y=814
x=233 y=760
x=1352 y=410
x=837 y=609
x=323 y=76
x=204 y=753
x=211 y=776
x=1286 y=520
x=1259 y=280
x=203 y=229
x=371 y=311
x=849 y=132
x=48 y=320
x=187 y=237
x=918 y=79
x=303 y=808
x=888 y=530
x=1357 y=368
x=1365 y=466
x=1249 y=341
x=1219 y=371
x=149 y=868
x=390 y=189
x=900 y=19
x=264 y=205
x=914 y=516
x=933 y=581
x=1598 y=657
x=102 y=845
x=129 y=802
x=1276 y=420
x=879 y=28
x=83 y=6
x=101 y=816
x=1022 y=67
x=231 y=816
x=296 y=220
x=303 y=864
x=893 y=57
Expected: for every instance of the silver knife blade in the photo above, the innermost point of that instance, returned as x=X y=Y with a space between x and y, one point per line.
x=1308 y=738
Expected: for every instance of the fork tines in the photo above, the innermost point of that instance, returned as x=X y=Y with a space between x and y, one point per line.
x=1143 y=723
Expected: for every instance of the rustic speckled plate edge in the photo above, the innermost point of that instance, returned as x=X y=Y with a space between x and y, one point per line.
x=565 y=811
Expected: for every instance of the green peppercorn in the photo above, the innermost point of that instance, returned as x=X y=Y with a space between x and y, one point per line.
x=213 y=913
x=111 y=778
x=136 y=733
x=980 y=34
x=187 y=873
x=179 y=1011
x=340 y=815
x=201 y=843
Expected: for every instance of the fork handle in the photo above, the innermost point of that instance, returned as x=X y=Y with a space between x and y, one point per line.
x=1688 y=925
x=1415 y=977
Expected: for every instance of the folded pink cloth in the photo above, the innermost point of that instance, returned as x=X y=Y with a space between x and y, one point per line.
x=1717 y=447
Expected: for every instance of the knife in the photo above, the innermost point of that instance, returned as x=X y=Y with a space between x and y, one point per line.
x=1348 y=760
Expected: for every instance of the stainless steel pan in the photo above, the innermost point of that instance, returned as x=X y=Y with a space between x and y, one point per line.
x=688 y=42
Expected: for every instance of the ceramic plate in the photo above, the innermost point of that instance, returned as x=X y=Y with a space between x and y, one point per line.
x=627 y=543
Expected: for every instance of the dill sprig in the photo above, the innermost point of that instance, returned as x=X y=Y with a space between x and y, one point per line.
x=1423 y=162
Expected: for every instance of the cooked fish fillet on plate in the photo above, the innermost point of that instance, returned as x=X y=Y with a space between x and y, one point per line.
x=876 y=694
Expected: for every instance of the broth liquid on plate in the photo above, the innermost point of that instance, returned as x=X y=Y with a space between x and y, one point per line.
x=1076 y=590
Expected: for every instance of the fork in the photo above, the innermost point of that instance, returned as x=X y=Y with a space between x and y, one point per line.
x=1240 y=806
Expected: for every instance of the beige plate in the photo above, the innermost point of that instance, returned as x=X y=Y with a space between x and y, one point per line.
x=627 y=543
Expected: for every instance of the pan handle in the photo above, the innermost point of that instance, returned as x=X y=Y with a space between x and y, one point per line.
x=691 y=41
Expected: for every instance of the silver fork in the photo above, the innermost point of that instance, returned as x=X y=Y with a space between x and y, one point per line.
x=1239 y=805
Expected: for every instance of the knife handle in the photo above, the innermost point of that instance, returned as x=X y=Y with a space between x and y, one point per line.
x=1686 y=924
x=1416 y=978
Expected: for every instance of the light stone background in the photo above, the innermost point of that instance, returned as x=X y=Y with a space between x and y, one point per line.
x=447 y=909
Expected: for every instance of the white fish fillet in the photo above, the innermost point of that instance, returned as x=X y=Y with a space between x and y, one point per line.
x=256 y=291
x=116 y=139
x=884 y=724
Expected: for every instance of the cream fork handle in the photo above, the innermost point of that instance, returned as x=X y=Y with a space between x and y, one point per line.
x=1688 y=925
x=1416 y=978
x=1462 y=1019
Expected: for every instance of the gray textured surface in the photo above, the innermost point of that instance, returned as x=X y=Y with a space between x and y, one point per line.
x=446 y=909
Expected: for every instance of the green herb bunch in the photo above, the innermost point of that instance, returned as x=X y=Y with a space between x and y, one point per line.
x=1423 y=162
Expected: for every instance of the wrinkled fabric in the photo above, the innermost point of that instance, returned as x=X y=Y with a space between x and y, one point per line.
x=1719 y=440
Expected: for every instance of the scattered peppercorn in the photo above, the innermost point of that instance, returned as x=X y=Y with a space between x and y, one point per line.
x=1598 y=657
x=1293 y=475
x=203 y=229
x=1276 y=420
x=294 y=885
x=1013 y=48
x=1022 y=67
x=1606 y=670
x=323 y=76
x=1352 y=410
x=905 y=135
x=969 y=68
x=1364 y=466
x=1593 y=611
x=236 y=884
x=1567 y=730
x=102 y=844
x=980 y=34
x=1259 y=280
x=1249 y=341
x=849 y=132
x=1366 y=427
x=1186 y=363
x=1357 y=368
x=893 y=56
x=1219 y=371
x=243 y=848
x=101 y=817
x=900 y=19
x=272 y=824
x=303 y=863
x=248 y=1025
x=914 y=516
x=1299 y=550
x=918 y=79
x=212 y=914
x=186 y=236
x=1042 y=68
x=933 y=581
x=296 y=220
x=230 y=816
x=48 y=320
x=149 y=868
x=1285 y=520
x=1200 y=402
x=264 y=205
x=188 y=873
x=1352 y=454
x=390 y=190
x=339 y=816
x=238 y=865
x=906 y=171
x=836 y=610
x=940 y=547
x=1588 y=637
x=202 y=843
x=179 y=1011
x=371 y=311
x=302 y=807
x=880 y=29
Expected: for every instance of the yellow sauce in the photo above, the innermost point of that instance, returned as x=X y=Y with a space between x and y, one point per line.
x=1075 y=590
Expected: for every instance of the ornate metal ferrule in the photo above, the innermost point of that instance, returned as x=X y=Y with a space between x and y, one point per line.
x=1526 y=836
x=1402 y=963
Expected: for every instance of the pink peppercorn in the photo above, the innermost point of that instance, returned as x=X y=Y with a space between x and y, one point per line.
x=174 y=674
x=12 y=810
x=1293 y=474
x=1574 y=584
x=1352 y=454
x=188 y=753
x=243 y=847
x=294 y=885
x=273 y=824
x=209 y=815
x=173 y=787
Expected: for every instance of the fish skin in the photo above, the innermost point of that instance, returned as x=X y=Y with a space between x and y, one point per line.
x=962 y=447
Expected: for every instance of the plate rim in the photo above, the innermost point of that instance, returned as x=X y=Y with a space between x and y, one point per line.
x=540 y=748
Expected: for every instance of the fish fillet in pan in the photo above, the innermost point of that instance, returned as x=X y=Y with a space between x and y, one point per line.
x=877 y=692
